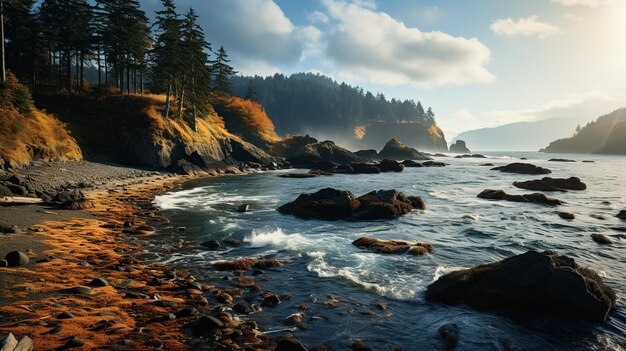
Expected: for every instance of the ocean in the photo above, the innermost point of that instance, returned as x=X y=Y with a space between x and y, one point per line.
x=464 y=230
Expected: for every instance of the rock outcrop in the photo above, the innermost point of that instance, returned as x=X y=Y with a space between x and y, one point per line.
x=396 y=150
x=522 y=168
x=536 y=198
x=333 y=204
x=552 y=184
x=392 y=246
x=545 y=283
x=305 y=151
x=369 y=154
x=459 y=148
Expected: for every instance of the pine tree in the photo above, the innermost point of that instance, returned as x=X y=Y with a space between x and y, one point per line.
x=166 y=54
x=222 y=72
x=430 y=116
x=196 y=79
x=23 y=43
x=251 y=92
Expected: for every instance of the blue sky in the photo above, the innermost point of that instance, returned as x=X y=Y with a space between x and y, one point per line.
x=478 y=63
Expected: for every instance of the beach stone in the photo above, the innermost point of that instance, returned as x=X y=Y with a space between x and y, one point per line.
x=187 y=312
x=243 y=307
x=4 y=263
x=522 y=168
x=55 y=330
x=7 y=228
x=211 y=244
x=545 y=283
x=204 y=325
x=5 y=191
x=271 y=301
x=449 y=334
x=99 y=282
x=16 y=258
x=79 y=290
x=566 y=215
x=601 y=239
x=170 y=274
x=290 y=343
x=243 y=208
x=166 y=304
x=154 y=282
x=65 y=315
x=622 y=215
x=74 y=342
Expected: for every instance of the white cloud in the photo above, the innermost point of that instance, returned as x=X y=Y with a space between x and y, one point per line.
x=430 y=15
x=573 y=17
x=367 y=44
x=524 y=27
x=317 y=16
x=588 y=3
x=369 y=4
x=251 y=29
x=254 y=67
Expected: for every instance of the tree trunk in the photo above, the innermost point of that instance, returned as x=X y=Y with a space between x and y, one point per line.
x=68 y=66
x=4 y=74
x=180 y=103
x=82 y=70
x=141 y=80
x=167 y=99
x=106 y=72
x=99 y=70
x=77 y=73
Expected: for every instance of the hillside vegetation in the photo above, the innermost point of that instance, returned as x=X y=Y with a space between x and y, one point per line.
x=27 y=133
x=606 y=135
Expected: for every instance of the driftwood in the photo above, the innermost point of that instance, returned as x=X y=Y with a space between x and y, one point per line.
x=16 y=200
x=26 y=344
x=10 y=343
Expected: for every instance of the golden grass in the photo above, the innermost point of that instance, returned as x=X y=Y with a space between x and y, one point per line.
x=246 y=118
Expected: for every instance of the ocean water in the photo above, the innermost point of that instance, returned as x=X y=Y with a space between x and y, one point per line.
x=464 y=230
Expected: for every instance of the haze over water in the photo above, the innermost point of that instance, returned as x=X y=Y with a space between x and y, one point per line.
x=464 y=230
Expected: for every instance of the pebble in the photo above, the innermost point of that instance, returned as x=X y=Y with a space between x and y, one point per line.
x=16 y=258
x=65 y=315
x=73 y=343
x=99 y=282
x=79 y=290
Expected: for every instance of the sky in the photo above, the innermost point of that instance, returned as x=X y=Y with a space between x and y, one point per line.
x=479 y=63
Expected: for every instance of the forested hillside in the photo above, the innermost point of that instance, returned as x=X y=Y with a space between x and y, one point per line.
x=307 y=103
x=606 y=135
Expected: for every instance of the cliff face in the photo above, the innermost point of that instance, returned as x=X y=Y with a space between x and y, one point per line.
x=414 y=134
x=27 y=133
x=131 y=130
x=606 y=135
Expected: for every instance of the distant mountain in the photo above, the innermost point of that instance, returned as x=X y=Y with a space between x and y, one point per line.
x=306 y=103
x=606 y=135
x=521 y=136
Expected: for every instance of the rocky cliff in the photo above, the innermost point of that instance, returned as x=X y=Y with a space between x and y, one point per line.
x=413 y=134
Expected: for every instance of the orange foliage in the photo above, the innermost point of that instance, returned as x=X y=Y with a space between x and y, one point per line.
x=246 y=118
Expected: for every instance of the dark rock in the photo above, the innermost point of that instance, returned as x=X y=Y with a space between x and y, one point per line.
x=390 y=166
x=187 y=312
x=154 y=282
x=72 y=343
x=232 y=242
x=433 y=164
x=566 y=215
x=396 y=150
x=170 y=274
x=622 y=215
x=522 y=168
x=164 y=318
x=369 y=154
x=538 y=282
x=364 y=168
x=165 y=304
x=136 y=295
x=17 y=258
x=560 y=160
x=243 y=208
x=211 y=244
x=55 y=330
x=17 y=190
x=306 y=152
x=332 y=204
x=4 y=263
x=487 y=165
x=243 y=308
x=589 y=161
x=204 y=325
x=449 y=334
x=5 y=191
x=324 y=165
x=6 y=228
x=301 y=175
x=79 y=290
x=552 y=184
x=290 y=343
x=392 y=246
x=65 y=315
x=411 y=163
x=417 y=203
x=343 y=169
x=459 y=148
x=537 y=198
x=471 y=156
x=99 y=282
x=360 y=345
x=601 y=239
x=271 y=301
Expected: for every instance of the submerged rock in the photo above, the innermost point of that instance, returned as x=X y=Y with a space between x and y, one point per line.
x=433 y=164
x=601 y=239
x=459 y=148
x=539 y=282
x=449 y=334
x=566 y=215
x=552 y=184
x=537 y=198
x=560 y=160
x=333 y=204
x=392 y=246
x=390 y=166
x=522 y=168
x=621 y=215
x=471 y=156
x=290 y=343
x=396 y=150
x=411 y=163
x=365 y=168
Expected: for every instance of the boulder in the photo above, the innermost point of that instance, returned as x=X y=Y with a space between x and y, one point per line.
x=5 y=191
x=343 y=169
x=601 y=239
x=396 y=150
x=459 y=148
x=307 y=152
x=433 y=164
x=16 y=258
x=364 y=168
x=552 y=184
x=243 y=208
x=411 y=163
x=369 y=154
x=290 y=343
x=211 y=244
x=471 y=156
x=522 y=168
x=333 y=204
x=392 y=246
x=566 y=215
x=204 y=325
x=390 y=166
x=539 y=282
x=537 y=198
